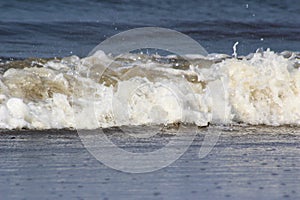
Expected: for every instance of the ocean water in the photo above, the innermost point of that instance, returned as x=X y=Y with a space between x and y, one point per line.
x=102 y=90
x=64 y=28
x=248 y=162
x=258 y=83
x=246 y=93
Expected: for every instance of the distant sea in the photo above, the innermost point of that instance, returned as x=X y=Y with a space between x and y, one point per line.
x=54 y=28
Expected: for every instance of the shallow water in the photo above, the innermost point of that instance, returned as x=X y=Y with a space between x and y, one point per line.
x=254 y=162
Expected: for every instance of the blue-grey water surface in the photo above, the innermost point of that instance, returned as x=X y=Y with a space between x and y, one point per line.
x=59 y=28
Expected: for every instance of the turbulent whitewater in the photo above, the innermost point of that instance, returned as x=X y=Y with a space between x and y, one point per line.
x=137 y=89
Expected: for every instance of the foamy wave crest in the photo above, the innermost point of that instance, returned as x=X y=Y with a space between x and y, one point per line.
x=136 y=89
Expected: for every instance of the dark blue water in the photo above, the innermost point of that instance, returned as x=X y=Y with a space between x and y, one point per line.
x=48 y=28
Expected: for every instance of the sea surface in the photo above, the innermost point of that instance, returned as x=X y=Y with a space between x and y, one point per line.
x=74 y=27
x=245 y=89
x=247 y=162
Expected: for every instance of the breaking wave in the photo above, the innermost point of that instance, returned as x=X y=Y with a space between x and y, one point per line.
x=137 y=89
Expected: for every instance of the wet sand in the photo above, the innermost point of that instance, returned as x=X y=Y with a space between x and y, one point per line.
x=247 y=163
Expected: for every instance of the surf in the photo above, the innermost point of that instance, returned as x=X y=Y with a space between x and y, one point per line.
x=103 y=91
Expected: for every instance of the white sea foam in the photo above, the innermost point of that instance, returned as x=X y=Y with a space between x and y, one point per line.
x=102 y=91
